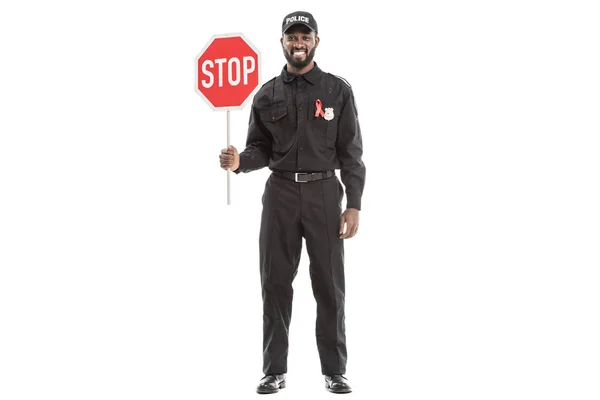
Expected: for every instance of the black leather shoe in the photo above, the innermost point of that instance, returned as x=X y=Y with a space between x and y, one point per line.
x=271 y=384
x=337 y=384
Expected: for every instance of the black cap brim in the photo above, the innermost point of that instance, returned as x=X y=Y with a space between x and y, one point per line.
x=298 y=23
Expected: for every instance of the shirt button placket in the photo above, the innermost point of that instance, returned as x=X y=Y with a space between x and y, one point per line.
x=301 y=121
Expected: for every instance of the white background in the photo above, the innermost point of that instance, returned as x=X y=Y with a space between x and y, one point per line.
x=474 y=275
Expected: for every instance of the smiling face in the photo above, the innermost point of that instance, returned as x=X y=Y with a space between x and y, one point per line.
x=299 y=44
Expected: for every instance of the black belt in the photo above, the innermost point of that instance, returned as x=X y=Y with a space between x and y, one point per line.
x=304 y=177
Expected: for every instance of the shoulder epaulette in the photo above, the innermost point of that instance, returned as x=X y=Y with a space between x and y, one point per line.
x=343 y=80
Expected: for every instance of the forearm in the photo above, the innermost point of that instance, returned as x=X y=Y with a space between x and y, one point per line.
x=254 y=157
x=353 y=174
x=259 y=144
x=350 y=151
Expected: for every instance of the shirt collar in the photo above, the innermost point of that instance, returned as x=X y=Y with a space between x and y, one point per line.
x=311 y=76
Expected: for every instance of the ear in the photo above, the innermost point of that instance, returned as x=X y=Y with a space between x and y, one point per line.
x=281 y=40
x=317 y=40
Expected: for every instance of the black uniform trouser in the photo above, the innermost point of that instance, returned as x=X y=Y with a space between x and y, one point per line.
x=291 y=211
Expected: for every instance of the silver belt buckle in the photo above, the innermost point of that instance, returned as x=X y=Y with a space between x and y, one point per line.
x=296 y=176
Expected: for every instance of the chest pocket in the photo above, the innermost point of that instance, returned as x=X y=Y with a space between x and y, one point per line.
x=274 y=119
x=326 y=127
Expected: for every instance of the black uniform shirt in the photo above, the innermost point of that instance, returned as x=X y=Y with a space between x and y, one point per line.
x=285 y=134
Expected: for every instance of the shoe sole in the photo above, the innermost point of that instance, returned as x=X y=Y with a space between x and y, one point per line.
x=339 y=391
x=281 y=386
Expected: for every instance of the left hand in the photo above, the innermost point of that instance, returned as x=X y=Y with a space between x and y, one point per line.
x=350 y=219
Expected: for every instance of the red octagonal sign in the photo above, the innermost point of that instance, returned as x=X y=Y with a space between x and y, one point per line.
x=228 y=71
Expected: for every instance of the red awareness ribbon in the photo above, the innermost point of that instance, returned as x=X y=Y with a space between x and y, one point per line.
x=319 y=110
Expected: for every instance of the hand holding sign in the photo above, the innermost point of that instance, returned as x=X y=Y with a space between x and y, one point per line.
x=228 y=74
x=229 y=158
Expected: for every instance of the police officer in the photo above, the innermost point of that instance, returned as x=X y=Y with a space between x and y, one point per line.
x=303 y=126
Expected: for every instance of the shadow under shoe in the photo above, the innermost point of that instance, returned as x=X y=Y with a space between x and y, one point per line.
x=271 y=384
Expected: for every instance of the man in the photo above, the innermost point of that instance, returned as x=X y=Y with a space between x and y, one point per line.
x=303 y=126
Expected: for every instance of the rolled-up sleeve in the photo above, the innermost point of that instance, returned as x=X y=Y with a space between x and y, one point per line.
x=350 y=151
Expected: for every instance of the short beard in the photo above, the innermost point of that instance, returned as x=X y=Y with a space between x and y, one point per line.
x=298 y=64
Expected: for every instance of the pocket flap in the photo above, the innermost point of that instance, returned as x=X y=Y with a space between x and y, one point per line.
x=273 y=113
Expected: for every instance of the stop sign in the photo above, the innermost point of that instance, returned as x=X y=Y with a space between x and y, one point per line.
x=228 y=71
